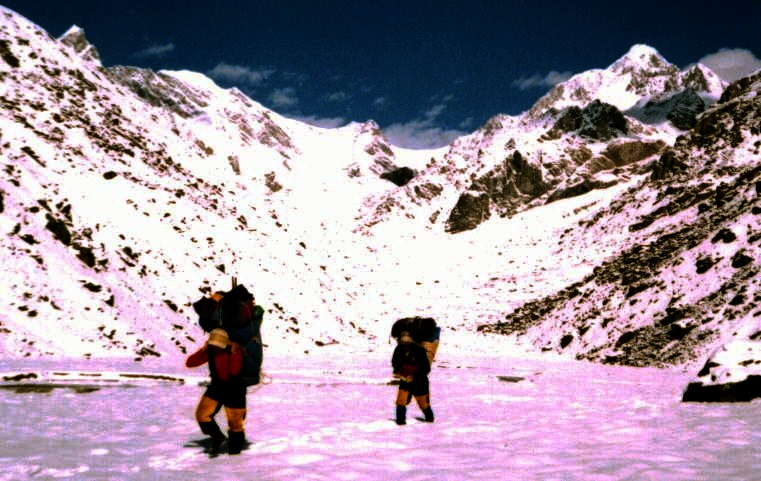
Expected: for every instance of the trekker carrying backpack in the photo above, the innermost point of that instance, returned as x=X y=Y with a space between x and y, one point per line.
x=234 y=354
x=418 y=340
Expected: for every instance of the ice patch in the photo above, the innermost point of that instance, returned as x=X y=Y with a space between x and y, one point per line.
x=502 y=398
x=303 y=459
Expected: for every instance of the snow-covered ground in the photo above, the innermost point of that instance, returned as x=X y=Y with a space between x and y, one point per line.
x=330 y=418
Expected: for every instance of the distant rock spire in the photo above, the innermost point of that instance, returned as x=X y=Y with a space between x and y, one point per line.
x=75 y=38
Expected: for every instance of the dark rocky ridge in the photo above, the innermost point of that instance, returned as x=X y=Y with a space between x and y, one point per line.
x=596 y=121
x=504 y=189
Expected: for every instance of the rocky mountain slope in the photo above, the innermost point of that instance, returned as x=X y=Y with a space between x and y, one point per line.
x=577 y=227
x=590 y=132
x=690 y=278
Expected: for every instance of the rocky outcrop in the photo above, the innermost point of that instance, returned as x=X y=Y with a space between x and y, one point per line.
x=627 y=153
x=686 y=106
x=75 y=38
x=579 y=188
x=504 y=190
x=732 y=120
x=731 y=374
x=739 y=87
x=596 y=121
x=399 y=177
x=160 y=90
x=468 y=213
x=667 y=165
x=617 y=154
x=682 y=286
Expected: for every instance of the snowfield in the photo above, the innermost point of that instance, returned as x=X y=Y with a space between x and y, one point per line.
x=330 y=418
x=126 y=194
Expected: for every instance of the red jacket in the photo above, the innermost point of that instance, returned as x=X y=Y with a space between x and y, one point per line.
x=198 y=358
x=225 y=363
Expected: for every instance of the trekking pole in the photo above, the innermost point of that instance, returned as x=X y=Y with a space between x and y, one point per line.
x=235 y=282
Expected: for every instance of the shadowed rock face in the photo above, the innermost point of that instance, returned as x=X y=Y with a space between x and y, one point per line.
x=685 y=110
x=469 y=212
x=400 y=176
x=731 y=374
x=598 y=121
x=503 y=189
x=580 y=188
x=743 y=391
x=681 y=109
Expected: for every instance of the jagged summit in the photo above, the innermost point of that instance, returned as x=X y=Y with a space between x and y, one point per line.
x=76 y=39
x=641 y=57
x=702 y=79
x=641 y=76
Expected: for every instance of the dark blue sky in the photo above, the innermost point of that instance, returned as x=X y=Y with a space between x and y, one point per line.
x=423 y=70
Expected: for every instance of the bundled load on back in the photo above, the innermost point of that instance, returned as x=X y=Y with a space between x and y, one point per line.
x=423 y=331
x=236 y=314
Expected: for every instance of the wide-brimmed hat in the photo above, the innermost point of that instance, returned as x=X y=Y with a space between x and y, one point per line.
x=219 y=338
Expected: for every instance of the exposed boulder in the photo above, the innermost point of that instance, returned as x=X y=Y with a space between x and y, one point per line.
x=626 y=153
x=731 y=374
x=400 y=176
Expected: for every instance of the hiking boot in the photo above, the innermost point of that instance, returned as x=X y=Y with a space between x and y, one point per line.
x=212 y=430
x=215 y=447
x=236 y=443
x=401 y=415
x=428 y=413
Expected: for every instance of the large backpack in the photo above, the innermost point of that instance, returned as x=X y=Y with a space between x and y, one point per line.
x=423 y=331
x=235 y=312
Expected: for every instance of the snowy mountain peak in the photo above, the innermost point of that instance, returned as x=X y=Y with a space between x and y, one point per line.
x=640 y=57
x=700 y=78
x=76 y=39
x=640 y=76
